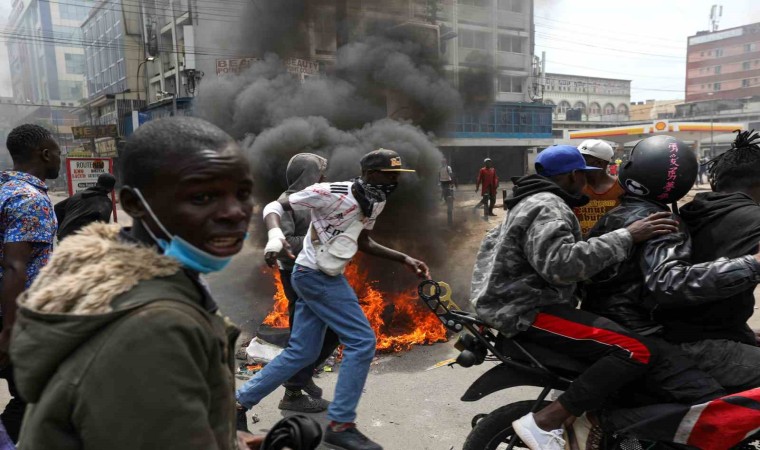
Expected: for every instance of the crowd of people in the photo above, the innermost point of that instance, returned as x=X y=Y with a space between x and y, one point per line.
x=113 y=339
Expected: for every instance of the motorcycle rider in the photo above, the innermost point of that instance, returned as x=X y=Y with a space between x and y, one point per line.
x=524 y=285
x=659 y=279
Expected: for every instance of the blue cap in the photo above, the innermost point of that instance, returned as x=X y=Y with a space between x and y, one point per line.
x=559 y=159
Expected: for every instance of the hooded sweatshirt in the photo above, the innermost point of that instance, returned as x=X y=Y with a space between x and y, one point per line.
x=721 y=225
x=114 y=349
x=304 y=169
x=536 y=256
x=81 y=209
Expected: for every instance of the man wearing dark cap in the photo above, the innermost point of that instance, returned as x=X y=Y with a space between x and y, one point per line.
x=83 y=208
x=342 y=216
x=525 y=279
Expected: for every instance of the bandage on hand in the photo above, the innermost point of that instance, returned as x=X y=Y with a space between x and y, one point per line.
x=274 y=242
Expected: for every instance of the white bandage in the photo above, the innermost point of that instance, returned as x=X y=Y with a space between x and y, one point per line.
x=274 y=244
x=273 y=207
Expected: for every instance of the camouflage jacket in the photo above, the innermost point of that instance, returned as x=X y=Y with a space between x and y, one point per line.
x=534 y=259
x=660 y=277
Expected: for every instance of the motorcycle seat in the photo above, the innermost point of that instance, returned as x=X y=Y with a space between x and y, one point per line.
x=556 y=361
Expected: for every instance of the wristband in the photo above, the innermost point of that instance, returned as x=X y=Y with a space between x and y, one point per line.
x=274 y=243
x=273 y=207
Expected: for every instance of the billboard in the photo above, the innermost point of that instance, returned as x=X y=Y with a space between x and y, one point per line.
x=95 y=131
x=299 y=67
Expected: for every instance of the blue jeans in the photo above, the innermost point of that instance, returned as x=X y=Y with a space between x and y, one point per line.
x=323 y=301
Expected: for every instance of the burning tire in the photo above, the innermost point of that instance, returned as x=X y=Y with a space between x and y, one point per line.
x=276 y=336
x=495 y=430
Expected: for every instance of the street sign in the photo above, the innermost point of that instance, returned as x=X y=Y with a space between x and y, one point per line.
x=95 y=131
x=83 y=173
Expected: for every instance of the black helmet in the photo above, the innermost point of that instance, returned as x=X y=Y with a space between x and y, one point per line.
x=660 y=168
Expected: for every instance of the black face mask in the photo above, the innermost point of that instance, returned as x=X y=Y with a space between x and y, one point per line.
x=386 y=188
x=367 y=196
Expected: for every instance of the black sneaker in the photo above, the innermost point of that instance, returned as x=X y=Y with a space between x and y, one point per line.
x=312 y=389
x=349 y=439
x=241 y=420
x=303 y=403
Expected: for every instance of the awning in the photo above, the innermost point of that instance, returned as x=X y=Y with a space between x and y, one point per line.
x=685 y=131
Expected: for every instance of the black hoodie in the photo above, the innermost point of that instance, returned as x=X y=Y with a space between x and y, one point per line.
x=533 y=184
x=83 y=208
x=721 y=225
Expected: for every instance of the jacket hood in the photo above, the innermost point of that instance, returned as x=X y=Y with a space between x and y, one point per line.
x=94 y=191
x=73 y=298
x=304 y=169
x=707 y=206
x=533 y=184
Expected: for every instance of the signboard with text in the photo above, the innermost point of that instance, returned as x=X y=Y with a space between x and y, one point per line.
x=83 y=173
x=95 y=131
x=234 y=66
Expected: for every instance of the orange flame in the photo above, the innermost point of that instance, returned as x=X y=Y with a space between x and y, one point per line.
x=410 y=322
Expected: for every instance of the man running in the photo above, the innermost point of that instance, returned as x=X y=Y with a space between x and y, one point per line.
x=346 y=210
x=81 y=209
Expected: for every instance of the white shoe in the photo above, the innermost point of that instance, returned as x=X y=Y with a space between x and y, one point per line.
x=536 y=438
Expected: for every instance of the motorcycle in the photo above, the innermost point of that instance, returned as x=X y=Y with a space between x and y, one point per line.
x=524 y=364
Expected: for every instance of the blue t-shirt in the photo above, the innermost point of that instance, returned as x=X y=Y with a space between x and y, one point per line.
x=26 y=215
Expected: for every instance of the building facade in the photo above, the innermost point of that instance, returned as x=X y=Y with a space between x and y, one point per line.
x=581 y=98
x=45 y=52
x=723 y=64
x=653 y=110
x=112 y=54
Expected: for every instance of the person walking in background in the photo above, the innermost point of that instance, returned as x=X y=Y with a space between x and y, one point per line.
x=27 y=227
x=448 y=183
x=489 y=181
x=94 y=204
x=602 y=188
x=301 y=393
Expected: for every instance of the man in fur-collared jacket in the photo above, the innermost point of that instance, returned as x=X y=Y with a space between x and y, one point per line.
x=118 y=344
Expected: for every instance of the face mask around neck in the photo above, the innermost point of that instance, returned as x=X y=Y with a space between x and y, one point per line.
x=179 y=249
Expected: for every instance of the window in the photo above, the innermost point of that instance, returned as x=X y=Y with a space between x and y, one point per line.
x=508 y=43
x=73 y=12
x=474 y=39
x=510 y=84
x=745 y=83
x=702 y=54
x=580 y=105
x=481 y=3
x=563 y=107
x=716 y=86
x=709 y=53
x=74 y=64
x=548 y=102
x=717 y=70
x=622 y=109
x=609 y=109
x=745 y=65
x=718 y=52
x=511 y=5
x=594 y=109
x=750 y=47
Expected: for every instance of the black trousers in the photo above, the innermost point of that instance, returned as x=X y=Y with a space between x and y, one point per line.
x=331 y=342
x=617 y=359
x=14 y=410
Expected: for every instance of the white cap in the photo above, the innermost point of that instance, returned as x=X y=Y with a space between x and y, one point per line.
x=597 y=148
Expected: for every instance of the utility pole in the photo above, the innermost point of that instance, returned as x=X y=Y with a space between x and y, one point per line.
x=92 y=139
x=176 y=59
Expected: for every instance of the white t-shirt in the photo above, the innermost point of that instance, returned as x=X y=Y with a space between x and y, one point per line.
x=333 y=209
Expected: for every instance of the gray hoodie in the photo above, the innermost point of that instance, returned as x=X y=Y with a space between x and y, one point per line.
x=304 y=169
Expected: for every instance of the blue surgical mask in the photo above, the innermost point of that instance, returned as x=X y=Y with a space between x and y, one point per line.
x=179 y=249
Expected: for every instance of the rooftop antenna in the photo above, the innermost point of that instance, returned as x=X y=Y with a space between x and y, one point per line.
x=716 y=12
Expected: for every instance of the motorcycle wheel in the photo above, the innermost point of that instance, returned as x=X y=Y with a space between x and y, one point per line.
x=494 y=431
